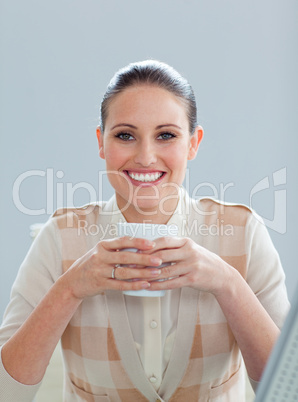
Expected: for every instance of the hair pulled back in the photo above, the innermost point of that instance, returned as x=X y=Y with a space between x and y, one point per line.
x=151 y=72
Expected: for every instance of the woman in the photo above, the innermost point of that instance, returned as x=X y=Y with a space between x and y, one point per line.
x=225 y=295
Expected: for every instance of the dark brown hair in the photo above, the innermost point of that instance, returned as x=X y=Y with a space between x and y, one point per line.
x=156 y=73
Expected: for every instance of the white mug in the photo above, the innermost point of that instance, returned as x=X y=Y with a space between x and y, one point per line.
x=150 y=232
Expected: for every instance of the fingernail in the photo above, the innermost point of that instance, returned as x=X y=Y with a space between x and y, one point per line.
x=149 y=243
x=155 y=272
x=145 y=285
x=156 y=261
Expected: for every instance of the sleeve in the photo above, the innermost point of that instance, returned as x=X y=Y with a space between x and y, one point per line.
x=38 y=272
x=265 y=274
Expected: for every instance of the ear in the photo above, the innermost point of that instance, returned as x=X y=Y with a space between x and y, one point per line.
x=195 y=140
x=99 y=136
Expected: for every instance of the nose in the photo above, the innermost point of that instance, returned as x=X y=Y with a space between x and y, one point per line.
x=145 y=153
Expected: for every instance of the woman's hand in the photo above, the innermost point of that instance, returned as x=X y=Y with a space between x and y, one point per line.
x=92 y=273
x=196 y=267
x=33 y=344
x=192 y=265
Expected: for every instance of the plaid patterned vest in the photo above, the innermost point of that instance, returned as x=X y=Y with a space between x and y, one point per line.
x=101 y=361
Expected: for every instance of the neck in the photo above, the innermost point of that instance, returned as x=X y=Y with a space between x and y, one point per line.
x=156 y=215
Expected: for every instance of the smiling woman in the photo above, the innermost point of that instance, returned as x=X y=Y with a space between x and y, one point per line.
x=147 y=140
x=219 y=284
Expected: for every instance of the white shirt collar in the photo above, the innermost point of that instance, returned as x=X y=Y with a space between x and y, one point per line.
x=178 y=218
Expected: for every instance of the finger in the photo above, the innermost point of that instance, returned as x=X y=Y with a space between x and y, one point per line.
x=174 y=270
x=174 y=283
x=126 y=273
x=166 y=243
x=125 y=285
x=132 y=258
x=127 y=242
x=170 y=255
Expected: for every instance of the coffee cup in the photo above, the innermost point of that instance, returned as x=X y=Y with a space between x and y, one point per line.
x=150 y=232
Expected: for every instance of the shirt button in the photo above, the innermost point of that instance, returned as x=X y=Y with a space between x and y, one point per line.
x=153 y=324
x=153 y=379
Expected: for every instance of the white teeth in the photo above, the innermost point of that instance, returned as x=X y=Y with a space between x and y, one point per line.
x=145 y=178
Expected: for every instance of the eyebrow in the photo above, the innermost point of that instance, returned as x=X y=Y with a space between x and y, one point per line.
x=157 y=127
x=123 y=125
x=168 y=125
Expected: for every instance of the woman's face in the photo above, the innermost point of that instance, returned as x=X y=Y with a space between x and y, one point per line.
x=146 y=145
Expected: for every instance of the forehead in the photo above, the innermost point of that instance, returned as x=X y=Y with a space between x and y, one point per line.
x=146 y=104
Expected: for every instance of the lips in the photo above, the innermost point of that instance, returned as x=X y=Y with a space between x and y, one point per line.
x=145 y=176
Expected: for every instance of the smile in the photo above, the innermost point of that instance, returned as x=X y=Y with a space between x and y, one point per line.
x=145 y=177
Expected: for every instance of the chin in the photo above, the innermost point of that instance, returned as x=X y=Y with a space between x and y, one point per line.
x=146 y=207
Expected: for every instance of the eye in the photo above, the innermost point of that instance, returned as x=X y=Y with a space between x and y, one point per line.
x=166 y=136
x=124 y=136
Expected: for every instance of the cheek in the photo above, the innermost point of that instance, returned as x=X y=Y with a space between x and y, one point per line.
x=177 y=157
x=114 y=156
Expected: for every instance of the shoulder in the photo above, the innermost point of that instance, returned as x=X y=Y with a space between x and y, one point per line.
x=73 y=217
x=225 y=212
